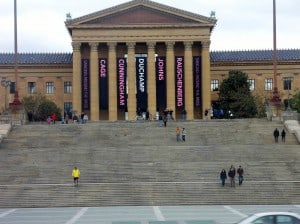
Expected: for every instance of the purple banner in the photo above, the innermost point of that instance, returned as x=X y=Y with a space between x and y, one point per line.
x=121 y=80
x=197 y=80
x=179 y=79
x=161 y=70
x=85 y=84
x=141 y=83
x=103 y=83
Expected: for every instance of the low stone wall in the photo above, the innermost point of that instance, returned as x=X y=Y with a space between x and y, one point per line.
x=293 y=127
x=4 y=131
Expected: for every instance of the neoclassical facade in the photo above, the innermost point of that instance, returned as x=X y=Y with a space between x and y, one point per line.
x=142 y=56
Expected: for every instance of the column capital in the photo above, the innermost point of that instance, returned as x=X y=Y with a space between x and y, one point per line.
x=205 y=44
x=76 y=46
x=94 y=46
x=130 y=45
x=151 y=45
x=112 y=45
x=188 y=45
x=170 y=45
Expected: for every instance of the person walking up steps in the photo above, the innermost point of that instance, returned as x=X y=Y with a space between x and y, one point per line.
x=231 y=174
x=276 y=135
x=223 y=177
x=240 y=172
x=75 y=175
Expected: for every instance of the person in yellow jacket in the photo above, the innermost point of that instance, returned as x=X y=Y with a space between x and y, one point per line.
x=75 y=175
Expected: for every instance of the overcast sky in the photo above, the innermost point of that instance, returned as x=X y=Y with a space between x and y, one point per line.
x=242 y=24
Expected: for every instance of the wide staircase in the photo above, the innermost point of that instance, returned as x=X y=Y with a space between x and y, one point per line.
x=141 y=163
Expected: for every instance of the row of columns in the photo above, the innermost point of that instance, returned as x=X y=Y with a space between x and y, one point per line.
x=131 y=103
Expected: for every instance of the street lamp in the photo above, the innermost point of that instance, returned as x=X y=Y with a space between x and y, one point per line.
x=5 y=83
x=288 y=82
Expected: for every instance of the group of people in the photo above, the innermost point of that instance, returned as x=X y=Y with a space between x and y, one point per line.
x=231 y=174
x=180 y=133
x=276 y=134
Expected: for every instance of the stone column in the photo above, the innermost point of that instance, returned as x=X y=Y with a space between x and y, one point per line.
x=76 y=77
x=206 y=95
x=151 y=79
x=94 y=83
x=131 y=76
x=188 y=80
x=112 y=82
x=170 y=57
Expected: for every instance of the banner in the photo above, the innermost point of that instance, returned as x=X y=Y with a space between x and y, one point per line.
x=85 y=84
x=161 y=93
x=179 y=79
x=197 y=70
x=103 y=83
x=121 y=80
x=141 y=83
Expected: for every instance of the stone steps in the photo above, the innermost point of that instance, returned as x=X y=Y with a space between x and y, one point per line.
x=147 y=194
x=140 y=163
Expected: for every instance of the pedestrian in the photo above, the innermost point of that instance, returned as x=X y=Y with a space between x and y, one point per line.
x=53 y=117
x=240 y=172
x=283 y=135
x=184 y=114
x=231 y=174
x=177 y=134
x=75 y=175
x=165 y=121
x=276 y=134
x=223 y=177
x=183 y=134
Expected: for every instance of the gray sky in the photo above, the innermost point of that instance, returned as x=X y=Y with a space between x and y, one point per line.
x=242 y=24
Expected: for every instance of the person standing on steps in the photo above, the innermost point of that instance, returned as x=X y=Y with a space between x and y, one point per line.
x=276 y=135
x=240 y=172
x=177 y=134
x=223 y=177
x=231 y=174
x=283 y=135
x=76 y=175
x=183 y=134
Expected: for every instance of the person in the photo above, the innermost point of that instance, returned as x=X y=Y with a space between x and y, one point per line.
x=177 y=134
x=231 y=174
x=240 y=172
x=184 y=114
x=283 y=135
x=85 y=118
x=160 y=119
x=276 y=134
x=165 y=121
x=75 y=175
x=183 y=134
x=53 y=117
x=206 y=114
x=223 y=177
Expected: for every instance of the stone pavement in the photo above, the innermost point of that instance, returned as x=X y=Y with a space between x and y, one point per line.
x=140 y=163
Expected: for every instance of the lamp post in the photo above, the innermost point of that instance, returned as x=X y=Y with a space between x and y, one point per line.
x=288 y=81
x=5 y=83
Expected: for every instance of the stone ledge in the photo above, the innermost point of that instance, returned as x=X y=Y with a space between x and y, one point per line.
x=293 y=127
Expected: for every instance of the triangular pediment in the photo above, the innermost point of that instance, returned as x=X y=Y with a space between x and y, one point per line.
x=140 y=12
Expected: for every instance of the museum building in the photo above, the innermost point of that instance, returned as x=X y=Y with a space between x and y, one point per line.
x=142 y=56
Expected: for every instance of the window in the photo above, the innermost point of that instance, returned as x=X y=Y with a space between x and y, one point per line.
x=251 y=83
x=12 y=88
x=214 y=85
x=268 y=84
x=49 y=87
x=287 y=83
x=67 y=87
x=31 y=87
